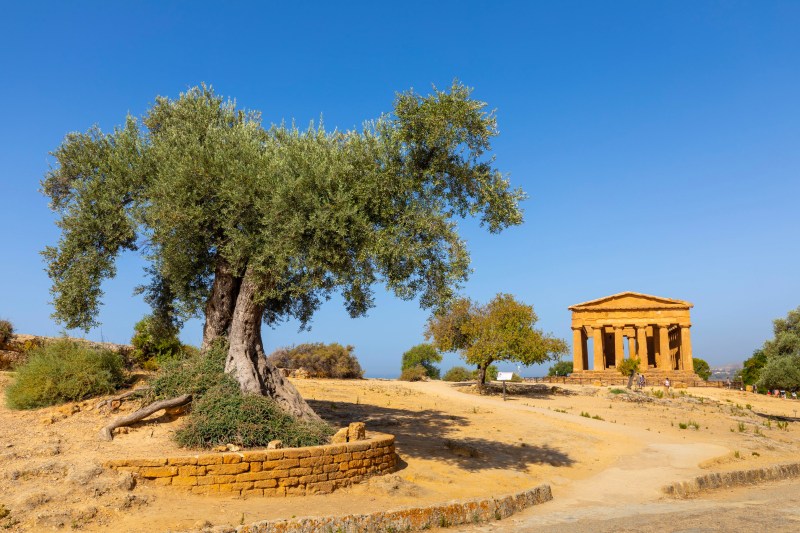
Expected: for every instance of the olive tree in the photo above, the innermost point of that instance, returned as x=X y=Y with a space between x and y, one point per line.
x=501 y=330
x=244 y=224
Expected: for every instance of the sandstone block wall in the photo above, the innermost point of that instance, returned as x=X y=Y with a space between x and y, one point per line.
x=736 y=478
x=282 y=472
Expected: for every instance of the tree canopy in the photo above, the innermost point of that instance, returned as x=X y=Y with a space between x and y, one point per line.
x=501 y=330
x=701 y=368
x=424 y=355
x=785 y=343
x=244 y=223
x=561 y=368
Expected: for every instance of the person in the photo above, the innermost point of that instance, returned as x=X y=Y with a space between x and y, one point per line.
x=641 y=381
x=728 y=383
x=666 y=384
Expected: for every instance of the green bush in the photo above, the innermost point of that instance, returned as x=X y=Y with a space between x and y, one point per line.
x=224 y=415
x=457 y=373
x=6 y=331
x=155 y=343
x=425 y=355
x=701 y=368
x=561 y=368
x=781 y=372
x=516 y=378
x=415 y=373
x=320 y=360
x=64 y=371
x=221 y=414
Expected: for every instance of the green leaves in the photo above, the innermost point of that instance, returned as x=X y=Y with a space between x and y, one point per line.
x=309 y=212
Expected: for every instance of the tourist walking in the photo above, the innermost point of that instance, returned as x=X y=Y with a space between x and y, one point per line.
x=666 y=384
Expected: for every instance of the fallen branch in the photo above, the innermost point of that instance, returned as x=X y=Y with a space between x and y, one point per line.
x=107 y=433
x=124 y=396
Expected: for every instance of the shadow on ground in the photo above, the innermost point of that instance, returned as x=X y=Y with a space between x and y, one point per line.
x=538 y=391
x=431 y=434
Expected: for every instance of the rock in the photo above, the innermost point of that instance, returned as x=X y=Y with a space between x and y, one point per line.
x=340 y=437
x=356 y=431
x=220 y=448
x=232 y=448
x=126 y=481
x=275 y=445
x=300 y=373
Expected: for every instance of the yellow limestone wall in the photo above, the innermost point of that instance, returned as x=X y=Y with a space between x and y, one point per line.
x=283 y=472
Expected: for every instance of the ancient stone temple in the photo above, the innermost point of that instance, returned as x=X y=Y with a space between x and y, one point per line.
x=654 y=329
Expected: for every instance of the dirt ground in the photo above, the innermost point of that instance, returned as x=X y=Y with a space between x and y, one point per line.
x=597 y=447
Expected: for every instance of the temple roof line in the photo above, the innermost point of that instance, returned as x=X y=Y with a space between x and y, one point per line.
x=632 y=300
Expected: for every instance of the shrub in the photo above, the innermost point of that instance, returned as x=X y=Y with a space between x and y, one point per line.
x=6 y=331
x=425 y=355
x=561 y=368
x=64 y=371
x=320 y=360
x=457 y=373
x=516 y=378
x=221 y=414
x=415 y=373
x=781 y=372
x=155 y=342
x=224 y=415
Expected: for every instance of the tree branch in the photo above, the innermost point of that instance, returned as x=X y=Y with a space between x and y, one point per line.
x=107 y=433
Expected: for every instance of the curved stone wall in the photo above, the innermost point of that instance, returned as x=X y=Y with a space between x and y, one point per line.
x=283 y=472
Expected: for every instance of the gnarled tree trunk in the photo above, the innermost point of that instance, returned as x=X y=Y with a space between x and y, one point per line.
x=246 y=359
x=221 y=303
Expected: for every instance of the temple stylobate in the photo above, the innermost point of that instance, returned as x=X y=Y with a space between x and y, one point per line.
x=652 y=328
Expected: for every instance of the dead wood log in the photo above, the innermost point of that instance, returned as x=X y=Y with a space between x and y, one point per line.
x=107 y=433
x=124 y=396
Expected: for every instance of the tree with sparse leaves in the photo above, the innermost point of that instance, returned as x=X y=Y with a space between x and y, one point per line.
x=245 y=224
x=501 y=330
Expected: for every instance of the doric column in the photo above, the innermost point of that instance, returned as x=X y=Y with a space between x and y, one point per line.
x=663 y=360
x=631 y=347
x=619 y=348
x=686 y=349
x=641 y=341
x=577 y=349
x=597 y=332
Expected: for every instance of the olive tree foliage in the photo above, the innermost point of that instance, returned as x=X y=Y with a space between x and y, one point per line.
x=561 y=368
x=629 y=367
x=776 y=365
x=245 y=224
x=501 y=330
x=424 y=355
x=701 y=368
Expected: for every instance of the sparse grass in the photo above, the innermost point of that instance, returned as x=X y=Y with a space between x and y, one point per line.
x=617 y=391
x=597 y=417
x=585 y=414
x=755 y=454
x=657 y=393
x=682 y=425
x=736 y=454
x=742 y=427
x=64 y=371
x=560 y=410
x=782 y=424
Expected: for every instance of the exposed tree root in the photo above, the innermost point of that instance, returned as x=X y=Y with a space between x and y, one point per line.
x=107 y=433
x=124 y=396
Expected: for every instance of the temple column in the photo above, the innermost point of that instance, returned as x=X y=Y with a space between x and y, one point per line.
x=597 y=333
x=631 y=347
x=641 y=344
x=577 y=349
x=619 y=348
x=663 y=348
x=686 y=349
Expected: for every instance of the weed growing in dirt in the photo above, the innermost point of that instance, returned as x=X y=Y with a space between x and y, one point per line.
x=690 y=424
x=585 y=414
x=560 y=410
x=597 y=417
x=657 y=393
x=616 y=391
x=782 y=424
x=736 y=454
x=64 y=371
x=741 y=427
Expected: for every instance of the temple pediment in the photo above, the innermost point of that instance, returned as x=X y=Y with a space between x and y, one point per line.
x=630 y=301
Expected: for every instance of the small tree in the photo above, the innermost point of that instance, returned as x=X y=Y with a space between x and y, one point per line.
x=6 y=331
x=154 y=341
x=424 y=355
x=701 y=368
x=561 y=368
x=630 y=367
x=501 y=330
x=782 y=373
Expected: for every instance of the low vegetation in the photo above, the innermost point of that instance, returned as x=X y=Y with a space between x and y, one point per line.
x=458 y=373
x=6 y=331
x=222 y=414
x=319 y=360
x=155 y=342
x=64 y=371
x=414 y=373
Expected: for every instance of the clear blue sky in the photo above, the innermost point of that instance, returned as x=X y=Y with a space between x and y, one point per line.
x=658 y=141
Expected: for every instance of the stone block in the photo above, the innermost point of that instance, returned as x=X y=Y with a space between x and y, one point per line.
x=187 y=470
x=243 y=485
x=295 y=453
x=147 y=462
x=250 y=457
x=274 y=455
x=320 y=488
x=232 y=458
x=265 y=484
x=162 y=481
x=254 y=476
x=274 y=445
x=356 y=431
x=182 y=461
x=227 y=469
x=205 y=489
x=295 y=491
x=281 y=464
x=252 y=493
x=158 y=471
x=340 y=436
x=310 y=461
x=299 y=471
x=290 y=481
x=227 y=487
x=207 y=480
x=209 y=460
x=277 y=491
x=305 y=480
x=184 y=481
x=256 y=467
x=359 y=446
x=230 y=478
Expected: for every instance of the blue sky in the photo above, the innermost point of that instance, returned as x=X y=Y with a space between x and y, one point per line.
x=658 y=141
